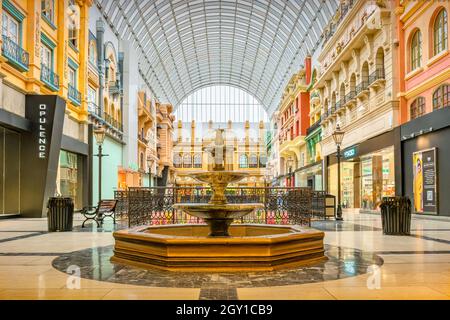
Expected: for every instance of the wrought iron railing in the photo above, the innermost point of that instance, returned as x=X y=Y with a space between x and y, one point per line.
x=338 y=105
x=15 y=54
x=50 y=78
x=154 y=206
x=94 y=109
x=378 y=74
x=74 y=95
x=350 y=96
x=313 y=127
x=364 y=85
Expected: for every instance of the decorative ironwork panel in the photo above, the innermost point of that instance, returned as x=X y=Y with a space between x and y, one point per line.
x=154 y=206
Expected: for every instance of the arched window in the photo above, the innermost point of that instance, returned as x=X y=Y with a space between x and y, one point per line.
x=379 y=64
x=177 y=160
x=198 y=160
x=440 y=32
x=262 y=161
x=333 y=101
x=417 y=108
x=416 y=50
x=253 y=161
x=243 y=161
x=342 y=94
x=93 y=53
x=441 y=97
x=352 y=85
x=187 y=161
x=365 y=75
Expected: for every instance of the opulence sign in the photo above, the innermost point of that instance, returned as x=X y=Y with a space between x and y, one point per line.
x=42 y=132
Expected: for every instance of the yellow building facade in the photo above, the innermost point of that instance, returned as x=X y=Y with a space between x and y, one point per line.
x=247 y=144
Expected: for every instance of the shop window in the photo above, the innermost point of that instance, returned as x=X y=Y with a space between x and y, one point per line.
x=441 y=97
x=440 y=32
x=243 y=161
x=70 y=181
x=47 y=8
x=417 y=108
x=416 y=50
x=10 y=163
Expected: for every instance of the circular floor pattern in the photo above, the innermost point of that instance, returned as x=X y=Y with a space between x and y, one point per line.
x=94 y=264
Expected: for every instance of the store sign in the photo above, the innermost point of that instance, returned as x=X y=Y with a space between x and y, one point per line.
x=424 y=182
x=350 y=153
x=42 y=136
x=41 y=148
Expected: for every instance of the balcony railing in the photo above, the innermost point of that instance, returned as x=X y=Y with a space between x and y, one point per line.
x=50 y=79
x=17 y=56
x=337 y=106
x=313 y=127
x=94 y=109
x=74 y=95
x=114 y=87
x=350 y=96
x=344 y=10
x=363 y=86
x=376 y=75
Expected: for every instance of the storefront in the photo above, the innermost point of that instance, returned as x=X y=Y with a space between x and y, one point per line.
x=10 y=162
x=425 y=162
x=310 y=176
x=367 y=172
x=70 y=177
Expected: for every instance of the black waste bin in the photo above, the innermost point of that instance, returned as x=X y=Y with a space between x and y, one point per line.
x=60 y=214
x=396 y=215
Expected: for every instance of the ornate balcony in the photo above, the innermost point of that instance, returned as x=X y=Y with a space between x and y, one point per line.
x=16 y=56
x=94 y=109
x=50 y=79
x=338 y=106
x=350 y=98
x=115 y=88
x=362 y=89
x=74 y=95
x=313 y=127
x=376 y=78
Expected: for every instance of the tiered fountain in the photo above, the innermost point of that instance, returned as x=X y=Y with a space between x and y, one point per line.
x=219 y=245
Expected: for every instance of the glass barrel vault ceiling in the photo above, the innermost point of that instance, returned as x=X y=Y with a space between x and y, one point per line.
x=255 y=45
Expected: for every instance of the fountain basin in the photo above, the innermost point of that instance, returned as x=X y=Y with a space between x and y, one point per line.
x=188 y=248
x=218 y=216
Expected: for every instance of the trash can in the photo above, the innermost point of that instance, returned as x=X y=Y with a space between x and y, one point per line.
x=60 y=214
x=396 y=215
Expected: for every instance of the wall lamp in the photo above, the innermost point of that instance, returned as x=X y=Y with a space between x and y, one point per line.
x=416 y=134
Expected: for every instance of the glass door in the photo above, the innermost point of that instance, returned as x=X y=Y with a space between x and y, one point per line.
x=10 y=171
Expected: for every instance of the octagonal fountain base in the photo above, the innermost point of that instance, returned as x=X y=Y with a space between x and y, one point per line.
x=188 y=248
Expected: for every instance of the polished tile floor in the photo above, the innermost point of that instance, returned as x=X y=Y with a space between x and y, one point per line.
x=366 y=264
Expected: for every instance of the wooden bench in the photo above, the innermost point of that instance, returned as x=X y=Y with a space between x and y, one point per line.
x=104 y=209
